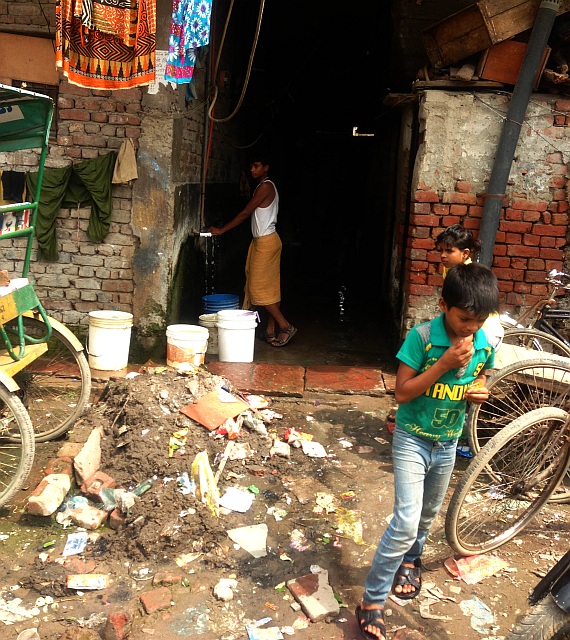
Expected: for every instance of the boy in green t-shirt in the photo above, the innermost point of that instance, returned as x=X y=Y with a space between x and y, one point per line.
x=443 y=363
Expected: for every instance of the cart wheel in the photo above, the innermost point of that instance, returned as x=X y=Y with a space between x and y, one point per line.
x=16 y=456
x=55 y=387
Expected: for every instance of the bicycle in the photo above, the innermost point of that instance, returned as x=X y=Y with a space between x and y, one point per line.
x=534 y=328
x=45 y=381
x=514 y=391
x=509 y=481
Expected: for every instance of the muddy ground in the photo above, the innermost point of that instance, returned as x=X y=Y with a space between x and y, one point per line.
x=138 y=417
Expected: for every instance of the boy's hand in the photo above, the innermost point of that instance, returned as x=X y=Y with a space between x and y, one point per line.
x=458 y=355
x=477 y=394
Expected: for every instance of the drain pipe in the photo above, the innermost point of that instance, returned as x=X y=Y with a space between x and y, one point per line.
x=512 y=126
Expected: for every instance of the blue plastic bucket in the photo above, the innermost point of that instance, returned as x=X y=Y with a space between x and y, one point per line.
x=219 y=302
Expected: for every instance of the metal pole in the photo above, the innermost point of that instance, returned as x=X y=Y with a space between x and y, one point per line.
x=512 y=126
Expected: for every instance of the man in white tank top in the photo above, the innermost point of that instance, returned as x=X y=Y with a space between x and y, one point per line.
x=263 y=285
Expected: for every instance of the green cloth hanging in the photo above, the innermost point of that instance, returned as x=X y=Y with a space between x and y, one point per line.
x=87 y=182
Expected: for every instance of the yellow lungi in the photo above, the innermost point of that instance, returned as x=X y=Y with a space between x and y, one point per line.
x=262 y=272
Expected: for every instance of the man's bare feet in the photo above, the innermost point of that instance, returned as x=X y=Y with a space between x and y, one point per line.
x=371 y=621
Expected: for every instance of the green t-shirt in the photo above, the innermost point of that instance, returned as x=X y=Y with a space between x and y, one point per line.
x=439 y=413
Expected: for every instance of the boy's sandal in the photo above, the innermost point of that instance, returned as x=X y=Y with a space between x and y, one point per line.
x=408 y=576
x=269 y=337
x=290 y=331
x=373 y=618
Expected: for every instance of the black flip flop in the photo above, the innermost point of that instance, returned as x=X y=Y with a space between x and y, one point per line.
x=372 y=617
x=411 y=576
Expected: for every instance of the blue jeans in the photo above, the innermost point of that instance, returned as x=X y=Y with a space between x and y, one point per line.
x=422 y=470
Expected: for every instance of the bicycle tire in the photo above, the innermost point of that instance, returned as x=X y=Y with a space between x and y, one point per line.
x=508 y=482
x=16 y=458
x=515 y=390
x=54 y=388
x=545 y=621
x=535 y=340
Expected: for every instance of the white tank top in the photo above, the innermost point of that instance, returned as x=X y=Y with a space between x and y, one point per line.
x=263 y=219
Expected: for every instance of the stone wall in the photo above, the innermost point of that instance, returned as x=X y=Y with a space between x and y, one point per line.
x=459 y=133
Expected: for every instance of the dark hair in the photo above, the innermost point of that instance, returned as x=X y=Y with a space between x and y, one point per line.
x=472 y=287
x=259 y=157
x=458 y=237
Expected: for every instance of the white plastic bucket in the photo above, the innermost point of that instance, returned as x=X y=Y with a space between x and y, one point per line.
x=109 y=339
x=185 y=343
x=209 y=320
x=236 y=335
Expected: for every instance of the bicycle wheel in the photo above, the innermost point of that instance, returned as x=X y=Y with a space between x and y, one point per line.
x=515 y=390
x=54 y=388
x=16 y=458
x=533 y=340
x=508 y=482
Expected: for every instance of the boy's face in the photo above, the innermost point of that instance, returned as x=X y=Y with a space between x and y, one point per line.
x=258 y=170
x=459 y=322
x=452 y=255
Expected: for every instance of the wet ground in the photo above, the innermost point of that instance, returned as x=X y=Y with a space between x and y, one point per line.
x=291 y=497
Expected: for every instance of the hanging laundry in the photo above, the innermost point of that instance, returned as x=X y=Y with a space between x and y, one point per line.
x=13 y=186
x=190 y=30
x=126 y=164
x=87 y=182
x=106 y=44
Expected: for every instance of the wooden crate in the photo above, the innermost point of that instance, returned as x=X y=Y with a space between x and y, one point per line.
x=502 y=62
x=478 y=27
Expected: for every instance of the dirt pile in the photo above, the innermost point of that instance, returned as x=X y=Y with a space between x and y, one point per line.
x=139 y=417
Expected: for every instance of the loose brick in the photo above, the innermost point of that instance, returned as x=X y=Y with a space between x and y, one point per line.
x=165 y=579
x=156 y=600
x=59 y=465
x=116 y=519
x=94 y=485
x=89 y=517
x=49 y=494
x=118 y=626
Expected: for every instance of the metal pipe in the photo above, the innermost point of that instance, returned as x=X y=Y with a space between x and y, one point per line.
x=512 y=126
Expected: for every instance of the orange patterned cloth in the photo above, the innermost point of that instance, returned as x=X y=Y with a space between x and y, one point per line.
x=104 y=45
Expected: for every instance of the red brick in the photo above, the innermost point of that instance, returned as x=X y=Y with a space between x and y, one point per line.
x=559 y=194
x=472 y=223
x=59 y=465
x=424 y=221
x=515 y=227
x=552 y=207
x=421 y=243
x=509 y=274
x=559 y=219
x=563 y=206
x=534 y=276
x=516 y=214
x=440 y=209
x=73 y=114
x=500 y=261
x=546 y=241
x=555 y=158
x=451 y=197
x=531 y=240
x=500 y=250
x=156 y=600
x=424 y=187
x=116 y=519
x=418 y=265
x=553 y=264
x=458 y=209
x=528 y=205
x=418 y=255
x=539 y=290
x=421 y=208
x=435 y=280
x=418 y=277
x=426 y=196
x=559 y=182
x=513 y=238
x=475 y=211
x=463 y=187
x=547 y=217
x=118 y=626
x=523 y=251
x=559 y=121
x=449 y=220
x=420 y=232
x=164 y=579
x=94 y=485
x=536 y=264
x=519 y=263
x=551 y=254
x=420 y=290
x=549 y=230
x=522 y=287
x=531 y=216
x=514 y=299
x=505 y=286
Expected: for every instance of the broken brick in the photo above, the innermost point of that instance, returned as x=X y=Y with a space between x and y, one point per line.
x=94 y=485
x=156 y=600
x=118 y=626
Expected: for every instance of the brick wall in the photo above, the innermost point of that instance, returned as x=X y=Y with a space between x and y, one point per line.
x=532 y=234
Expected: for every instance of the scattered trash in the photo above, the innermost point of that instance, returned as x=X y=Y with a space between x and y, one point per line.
x=206 y=487
x=326 y=503
x=177 y=442
x=345 y=444
x=224 y=589
x=75 y=543
x=186 y=485
x=473 y=569
x=273 y=607
x=254 y=423
x=348 y=524
x=241 y=451
x=281 y=449
x=257 y=402
x=269 y=633
x=301 y=623
x=253 y=489
x=29 y=634
x=252 y=539
x=294 y=437
x=364 y=449
x=313 y=449
x=481 y=615
x=381 y=440
x=425 y=612
x=87 y=581
x=210 y=412
x=187 y=558
x=236 y=500
x=299 y=541
x=143 y=487
x=195 y=621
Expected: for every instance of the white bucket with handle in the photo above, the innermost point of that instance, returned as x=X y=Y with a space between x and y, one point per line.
x=236 y=335
x=109 y=339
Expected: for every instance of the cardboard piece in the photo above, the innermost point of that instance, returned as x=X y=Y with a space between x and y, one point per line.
x=253 y=539
x=211 y=412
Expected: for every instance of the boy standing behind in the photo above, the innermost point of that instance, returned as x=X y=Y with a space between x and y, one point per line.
x=443 y=363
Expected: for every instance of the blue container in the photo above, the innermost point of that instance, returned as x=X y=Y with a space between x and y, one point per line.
x=219 y=302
